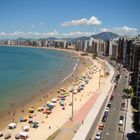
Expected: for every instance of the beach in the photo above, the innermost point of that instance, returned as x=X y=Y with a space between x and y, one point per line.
x=58 y=117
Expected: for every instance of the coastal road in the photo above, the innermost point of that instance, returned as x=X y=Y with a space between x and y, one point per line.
x=111 y=129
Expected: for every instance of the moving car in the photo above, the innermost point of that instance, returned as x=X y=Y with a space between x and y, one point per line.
x=101 y=126
x=98 y=136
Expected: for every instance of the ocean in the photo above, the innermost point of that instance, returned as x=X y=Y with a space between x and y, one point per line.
x=27 y=72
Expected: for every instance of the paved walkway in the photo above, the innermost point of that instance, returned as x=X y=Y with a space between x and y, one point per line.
x=81 y=114
x=129 y=121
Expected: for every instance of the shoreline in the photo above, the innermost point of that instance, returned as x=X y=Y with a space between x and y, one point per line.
x=37 y=101
x=49 y=125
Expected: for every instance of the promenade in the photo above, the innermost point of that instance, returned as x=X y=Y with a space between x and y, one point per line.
x=86 y=115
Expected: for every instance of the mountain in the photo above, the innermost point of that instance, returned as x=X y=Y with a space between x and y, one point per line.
x=52 y=38
x=105 y=36
x=83 y=38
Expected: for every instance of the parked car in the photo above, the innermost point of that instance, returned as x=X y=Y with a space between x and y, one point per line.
x=121 y=122
x=98 y=136
x=107 y=109
x=106 y=114
x=112 y=96
x=101 y=126
x=104 y=119
x=109 y=104
x=122 y=118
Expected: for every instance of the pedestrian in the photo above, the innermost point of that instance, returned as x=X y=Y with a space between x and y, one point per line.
x=119 y=129
x=49 y=127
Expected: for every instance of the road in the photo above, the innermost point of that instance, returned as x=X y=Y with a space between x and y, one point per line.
x=111 y=129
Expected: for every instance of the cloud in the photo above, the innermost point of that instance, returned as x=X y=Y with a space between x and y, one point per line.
x=82 y=22
x=124 y=30
x=55 y=33
x=78 y=33
x=28 y=34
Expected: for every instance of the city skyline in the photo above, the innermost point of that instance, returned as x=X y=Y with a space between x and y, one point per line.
x=62 y=18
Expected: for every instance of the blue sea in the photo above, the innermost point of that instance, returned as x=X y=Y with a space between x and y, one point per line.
x=23 y=72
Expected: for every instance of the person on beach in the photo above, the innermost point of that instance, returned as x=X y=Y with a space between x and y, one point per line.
x=49 y=127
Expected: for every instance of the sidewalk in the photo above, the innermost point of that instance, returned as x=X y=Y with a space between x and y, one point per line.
x=128 y=128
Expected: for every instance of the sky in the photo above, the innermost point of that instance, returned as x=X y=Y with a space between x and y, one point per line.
x=68 y=18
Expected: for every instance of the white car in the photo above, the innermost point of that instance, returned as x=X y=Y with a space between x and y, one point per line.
x=107 y=109
x=98 y=136
x=120 y=122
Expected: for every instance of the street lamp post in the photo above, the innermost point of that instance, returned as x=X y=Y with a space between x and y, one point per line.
x=99 y=78
x=72 y=106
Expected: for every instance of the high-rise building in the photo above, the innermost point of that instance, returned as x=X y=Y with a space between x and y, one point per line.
x=120 y=50
x=115 y=51
x=128 y=53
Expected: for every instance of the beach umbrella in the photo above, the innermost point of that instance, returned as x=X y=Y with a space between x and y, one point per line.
x=31 y=110
x=35 y=124
x=30 y=120
x=54 y=100
x=12 y=125
x=23 y=135
x=39 y=109
x=26 y=128
x=21 y=119
x=48 y=102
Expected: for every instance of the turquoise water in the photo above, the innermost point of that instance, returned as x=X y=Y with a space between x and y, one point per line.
x=23 y=70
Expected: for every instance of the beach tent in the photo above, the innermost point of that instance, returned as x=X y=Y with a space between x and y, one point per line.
x=62 y=89
x=35 y=124
x=12 y=126
x=23 y=135
x=22 y=119
x=61 y=103
x=30 y=116
x=7 y=136
x=51 y=105
x=26 y=128
x=1 y=134
x=17 y=136
x=54 y=100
